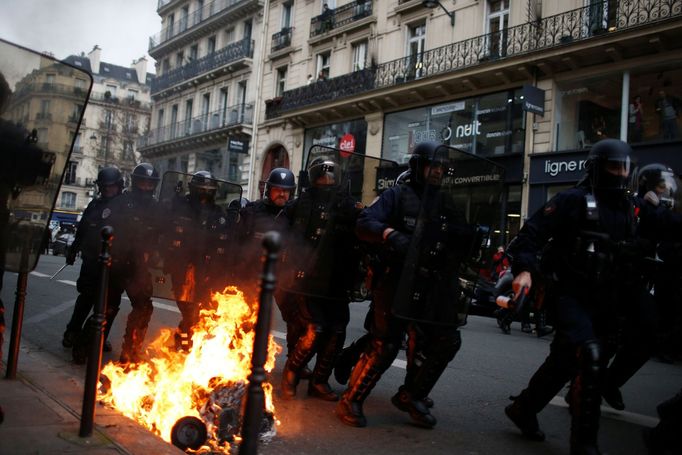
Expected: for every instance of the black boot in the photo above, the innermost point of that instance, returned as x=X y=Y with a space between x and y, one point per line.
x=541 y=327
x=298 y=358
x=318 y=386
x=585 y=401
x=417 y=409
x=525 y=419
x=365 y=376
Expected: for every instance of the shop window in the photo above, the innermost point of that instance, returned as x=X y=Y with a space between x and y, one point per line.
x=68 y=200
x=488 y=125
x=588 y=111
x=655 y=106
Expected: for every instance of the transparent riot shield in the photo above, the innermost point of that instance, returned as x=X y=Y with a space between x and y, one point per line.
x=193 y=237
x=459 y=207
x=38 y=127
x=322 y=257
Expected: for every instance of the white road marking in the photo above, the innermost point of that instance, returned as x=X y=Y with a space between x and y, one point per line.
x=41 y=275
x=51 y=312
x=69 y=282
x=610 y=413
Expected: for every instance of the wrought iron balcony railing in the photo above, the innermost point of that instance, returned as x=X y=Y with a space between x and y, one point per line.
x=228 y=54
x=561 y=29
x=343 y=15
x=281 y=39
x=240 y=114
x=190 y=21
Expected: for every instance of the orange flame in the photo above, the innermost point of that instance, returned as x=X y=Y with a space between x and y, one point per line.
x=172 y=385
x=187 y=293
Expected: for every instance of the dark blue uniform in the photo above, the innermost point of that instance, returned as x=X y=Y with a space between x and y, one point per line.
x=595 y=262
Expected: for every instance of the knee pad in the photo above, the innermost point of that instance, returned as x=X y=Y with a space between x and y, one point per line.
x=385 y=350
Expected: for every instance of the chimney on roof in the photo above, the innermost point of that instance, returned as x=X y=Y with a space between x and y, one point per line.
x=94 y=55
x=140 y=67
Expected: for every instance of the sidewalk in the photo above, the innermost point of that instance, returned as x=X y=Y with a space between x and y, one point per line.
x=42 y=414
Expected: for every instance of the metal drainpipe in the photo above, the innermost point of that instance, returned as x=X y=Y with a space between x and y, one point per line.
x=624 y=106
x=257 y=102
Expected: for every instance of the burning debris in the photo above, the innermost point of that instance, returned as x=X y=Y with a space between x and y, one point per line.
x=195 y=399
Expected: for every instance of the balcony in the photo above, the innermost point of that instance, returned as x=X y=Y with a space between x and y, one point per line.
x=229 y=55
x=561 y=30
x=233 y=116
x=340 y=17
x=43 y=116
x=211 y=17
x=281 y=39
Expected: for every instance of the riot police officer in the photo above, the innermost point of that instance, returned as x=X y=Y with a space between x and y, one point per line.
x=391 y=221
x=199 y=227
x=88 y=242
x=257 y=218
x=597 y=233
x=135 y=218
x=321 y=247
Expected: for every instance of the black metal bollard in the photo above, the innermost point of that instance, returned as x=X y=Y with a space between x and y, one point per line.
x=18 y=314
x=96 y=326
x=255 y=397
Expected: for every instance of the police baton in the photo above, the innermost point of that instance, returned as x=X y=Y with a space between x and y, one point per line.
x=59 y=271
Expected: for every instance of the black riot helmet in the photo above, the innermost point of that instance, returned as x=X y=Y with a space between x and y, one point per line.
x=323 y=172
x=144 y=179
x=422 y=155
x=109 y=176
x=662 y=181
x=280 y=178
x=202 y=187
x=609 y=166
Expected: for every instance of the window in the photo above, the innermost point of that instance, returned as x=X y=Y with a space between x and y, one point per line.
x=132 y=94
x=166 y=65
x=415 y=50
x=248 y=26
x=193 y=52
x=286 y=15
x=205 y=109
x=80 y=85
x=45 y=107
x=179 y=59
x=223 y=105
x=281 y=81
x=189 y=104
x=174 y=120
x=68 y=200
x=229 y=35
x=359 y=56
x=498 y=22
x=200 y=10
x=75 y=113
x=587 y=111
x=184 y=14
x=112 y=90
x=128 y=154
x=130 y=121
x=70 y=176
x=50 y=78
x=211 y=45
x=170 y=22
x=159 y=120
x=108 y=119
x=323 y=60
x=42 y=135
x=655 y=107
x=241 y=99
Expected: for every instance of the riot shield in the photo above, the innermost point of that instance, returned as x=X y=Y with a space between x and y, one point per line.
x=193 y=239
x=38 y=128
x=459 y=207
x=322 y=257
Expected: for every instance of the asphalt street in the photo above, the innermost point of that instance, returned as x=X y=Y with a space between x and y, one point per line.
x=470 y=396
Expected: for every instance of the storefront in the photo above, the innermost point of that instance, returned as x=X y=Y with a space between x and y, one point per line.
x=350 y=136
x=551 y=173
x=490 y=126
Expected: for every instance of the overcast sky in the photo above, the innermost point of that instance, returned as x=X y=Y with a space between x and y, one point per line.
x=63 y=27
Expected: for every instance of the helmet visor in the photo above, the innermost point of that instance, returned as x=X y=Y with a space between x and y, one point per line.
x=668 y=191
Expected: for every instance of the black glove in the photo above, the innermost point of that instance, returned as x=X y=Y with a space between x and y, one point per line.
x=398 y=242
x=71 y=256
